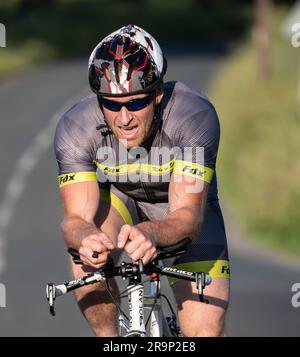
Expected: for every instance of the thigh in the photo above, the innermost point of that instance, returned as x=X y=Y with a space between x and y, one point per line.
x=200 y=319
x=209 y=254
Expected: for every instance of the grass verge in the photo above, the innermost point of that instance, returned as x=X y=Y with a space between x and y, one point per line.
x=258 y=164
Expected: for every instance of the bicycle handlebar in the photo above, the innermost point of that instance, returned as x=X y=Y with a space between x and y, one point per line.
x=131 y=271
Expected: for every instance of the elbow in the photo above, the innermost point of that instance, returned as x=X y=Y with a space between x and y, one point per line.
x=65 y=225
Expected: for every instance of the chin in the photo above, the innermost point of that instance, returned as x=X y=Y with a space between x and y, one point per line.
x=133 y=143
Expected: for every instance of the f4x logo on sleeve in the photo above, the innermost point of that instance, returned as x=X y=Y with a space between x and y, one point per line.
x=66 y=178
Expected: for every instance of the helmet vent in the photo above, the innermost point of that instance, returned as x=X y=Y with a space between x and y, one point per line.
x=149 y=42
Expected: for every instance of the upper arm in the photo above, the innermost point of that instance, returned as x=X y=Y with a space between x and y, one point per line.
x=188 y=192
x=74 y=150
x=197 y=135
x=81 y=200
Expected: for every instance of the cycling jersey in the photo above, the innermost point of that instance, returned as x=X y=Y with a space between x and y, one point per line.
x=87 y=150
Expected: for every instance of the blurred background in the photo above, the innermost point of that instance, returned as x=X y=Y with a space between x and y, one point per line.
x=242 y=54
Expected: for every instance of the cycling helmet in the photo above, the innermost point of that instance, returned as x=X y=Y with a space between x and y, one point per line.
x=128 y=61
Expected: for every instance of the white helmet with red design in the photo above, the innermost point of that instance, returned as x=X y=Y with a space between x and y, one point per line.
x=128 y=61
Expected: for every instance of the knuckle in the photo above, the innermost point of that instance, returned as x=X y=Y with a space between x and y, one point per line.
x=95 y=237
x=84 y=241
x=133 y=256
x=102 y=236
x=148 y=245
x=125 y=227
x=142 y=238
x=82 y=251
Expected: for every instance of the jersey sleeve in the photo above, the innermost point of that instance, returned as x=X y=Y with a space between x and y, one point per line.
x=74 y=151
x=198 y=138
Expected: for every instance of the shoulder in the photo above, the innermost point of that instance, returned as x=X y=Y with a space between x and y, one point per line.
x=77 y=126
x=186 y=99
x=84 y=116
x=188 y=108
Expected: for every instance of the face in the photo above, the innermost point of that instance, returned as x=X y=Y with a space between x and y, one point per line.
x=132 y=126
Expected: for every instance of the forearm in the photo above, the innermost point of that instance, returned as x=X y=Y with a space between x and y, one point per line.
x=182 y=223
x=74 y=229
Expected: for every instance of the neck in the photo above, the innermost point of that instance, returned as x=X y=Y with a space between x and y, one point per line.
x=156 y=125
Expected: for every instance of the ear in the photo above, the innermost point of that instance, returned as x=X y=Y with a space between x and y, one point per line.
x=159 y=97
x=160 y=93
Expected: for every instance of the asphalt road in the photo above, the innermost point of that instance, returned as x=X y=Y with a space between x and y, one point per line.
x=31 y=250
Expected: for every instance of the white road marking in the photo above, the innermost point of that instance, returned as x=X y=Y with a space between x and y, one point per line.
x=23 y=168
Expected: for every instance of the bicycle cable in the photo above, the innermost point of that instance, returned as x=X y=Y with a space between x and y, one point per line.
x=168 y=301
x=156 y=296
x=114 y=300
x=125 y=292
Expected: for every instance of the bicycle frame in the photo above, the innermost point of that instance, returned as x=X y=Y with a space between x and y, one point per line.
x=142 y=303
x=136 y=310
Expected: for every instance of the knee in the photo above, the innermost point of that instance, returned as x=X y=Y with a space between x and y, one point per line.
x=205 y=330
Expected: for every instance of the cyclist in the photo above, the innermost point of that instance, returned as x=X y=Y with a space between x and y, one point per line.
x=137 y=169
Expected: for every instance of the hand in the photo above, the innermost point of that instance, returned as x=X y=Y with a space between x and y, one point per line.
x=136 y=244
x=92 y=244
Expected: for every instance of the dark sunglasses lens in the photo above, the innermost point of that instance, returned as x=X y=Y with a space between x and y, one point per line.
x=111 y=105
x=138 y=104
x=132 y=105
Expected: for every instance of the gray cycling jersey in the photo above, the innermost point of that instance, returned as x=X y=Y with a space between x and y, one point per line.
x=86 y=149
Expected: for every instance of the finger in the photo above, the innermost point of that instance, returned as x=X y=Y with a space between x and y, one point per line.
x=100 y=261
x=134 y=245
x=123 y=235
x=138 y=248
x=136 y=239
x=137 y=254
x=149 y=256
x=96 y=266
x=94 y=245
x=146 y=249
x=86 y=255
x=104 y=240
x=83 y=252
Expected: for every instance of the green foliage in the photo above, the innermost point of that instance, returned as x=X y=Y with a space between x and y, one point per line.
x=74 y=27
x=259 y=167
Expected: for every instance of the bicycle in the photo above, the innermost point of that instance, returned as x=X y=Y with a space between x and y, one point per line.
x=134 y=325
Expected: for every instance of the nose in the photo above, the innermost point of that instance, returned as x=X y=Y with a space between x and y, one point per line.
x=124 y=116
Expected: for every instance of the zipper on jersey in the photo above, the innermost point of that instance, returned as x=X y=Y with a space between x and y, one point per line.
x=146 y=191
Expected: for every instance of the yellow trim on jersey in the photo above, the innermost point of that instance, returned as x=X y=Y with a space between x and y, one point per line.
x=153 y=170
x=215 y=268
x=74 y=177
x=194 y=170
x=119 y=205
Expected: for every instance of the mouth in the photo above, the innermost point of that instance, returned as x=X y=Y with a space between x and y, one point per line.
x=130 y=132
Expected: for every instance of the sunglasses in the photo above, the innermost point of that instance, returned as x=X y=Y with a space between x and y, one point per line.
x=132 y=105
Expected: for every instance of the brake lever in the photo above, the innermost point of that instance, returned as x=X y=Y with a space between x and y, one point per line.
x=51 y=295
x=202 y=280
x=75 y=255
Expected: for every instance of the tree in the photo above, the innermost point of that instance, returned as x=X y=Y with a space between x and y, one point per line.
x=261 y=37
